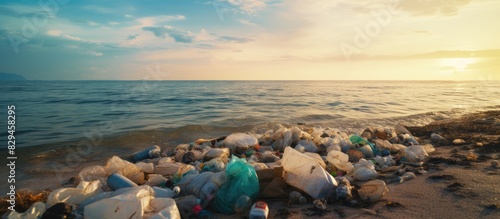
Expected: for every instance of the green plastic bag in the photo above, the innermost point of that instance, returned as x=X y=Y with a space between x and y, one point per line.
x=356 y=139
x=242 y=180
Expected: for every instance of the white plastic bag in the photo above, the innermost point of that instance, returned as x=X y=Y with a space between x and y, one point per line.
x=131 y=204
x=339 y=160
x=76 y=195
x=306 y=174
x=364 y=170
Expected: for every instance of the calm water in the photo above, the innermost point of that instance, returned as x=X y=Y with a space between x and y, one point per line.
x=58 y=111
x=63 y=126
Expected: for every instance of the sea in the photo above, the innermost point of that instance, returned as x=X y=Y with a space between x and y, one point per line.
x=62 y=126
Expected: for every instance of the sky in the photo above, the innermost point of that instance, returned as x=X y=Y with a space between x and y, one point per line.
x=251 y=39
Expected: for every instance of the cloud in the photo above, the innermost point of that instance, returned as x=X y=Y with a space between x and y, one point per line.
x=157 y=20
x=177 y=34
x=247 y=22
x=132 y=37
x=94 y=53
x=246 y=6
x=235 y=39
x=412 y=7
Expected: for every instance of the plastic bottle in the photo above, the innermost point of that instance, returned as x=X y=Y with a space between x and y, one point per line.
x=186 y=205
x=166 y=192
x=259 y=211
x=151 y=152
x=407 y=176
x=296 y=197
x=242 y=204
x=117 y=181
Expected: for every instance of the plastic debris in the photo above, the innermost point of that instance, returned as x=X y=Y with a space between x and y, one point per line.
x=364 y=170
x=242 y=180
x=306 y=174
x=373 y=191
x=259 y=211
x=297 y=198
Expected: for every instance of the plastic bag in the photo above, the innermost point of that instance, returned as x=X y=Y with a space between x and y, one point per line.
x=240 y=140
x=217 y=152
x=356 y=139
x=242 y=180
x=416 y=153
x=373 y=191
x=76 y=195
x=340 y=160
x=130 y=204
x=125 y=168
x=145 y=167
x=306 y=174
x=36 y=210
x=364 y=170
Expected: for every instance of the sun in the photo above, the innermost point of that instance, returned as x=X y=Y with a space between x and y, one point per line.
x=457 y=64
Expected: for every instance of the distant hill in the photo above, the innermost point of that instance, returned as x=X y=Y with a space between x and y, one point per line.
x=11 y=77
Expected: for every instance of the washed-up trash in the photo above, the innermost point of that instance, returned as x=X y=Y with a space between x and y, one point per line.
x=125 y=168
x=167 y=169
x=117 y=181
x=241 y=180
x=368 y=149
x=57 y=211
x=259 y=210
x=297 y=198
x=364 y=170
x=93 y=199
x=145 y=167
x=320 y=204
x=240 y=141
x=74 y=195
x=373 y=191
x=309 y=146
x=340 y=160
x=355 y=155
x=384 y=162
x=306 y=174
x=243 y=203
x=214 y=165
x=150 y=152
x=155 y=180
x=343 y=190
x=185 y=204
x=34 y=212
x=128 y=205
x=416 y=154
x=166 y=208
x=407 y=176
x=166 y=192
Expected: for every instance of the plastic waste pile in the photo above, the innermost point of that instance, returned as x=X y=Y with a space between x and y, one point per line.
x=234 y=174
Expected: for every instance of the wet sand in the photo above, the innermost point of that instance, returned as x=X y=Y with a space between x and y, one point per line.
x=453 y=186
